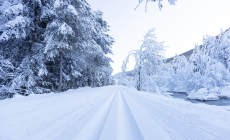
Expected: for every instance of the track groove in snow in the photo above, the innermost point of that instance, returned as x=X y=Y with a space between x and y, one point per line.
x=133 y=125
x=116 y=110
x=180 y=125
x=93 y=128
x=110 y=113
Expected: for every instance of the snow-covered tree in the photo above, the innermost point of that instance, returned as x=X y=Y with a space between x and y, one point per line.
x=218 y=47
x=148 y=61
x=13 y=23
x=201 y=70
x=78 y=33
x=23 y=25
x=209 y=71
x=6 y=69
x=171 y=2
x=6 y=75
x=122 y=78
x=45 y=40
x=99 y=48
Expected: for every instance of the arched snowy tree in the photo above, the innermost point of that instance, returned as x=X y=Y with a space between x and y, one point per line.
x=148 y=61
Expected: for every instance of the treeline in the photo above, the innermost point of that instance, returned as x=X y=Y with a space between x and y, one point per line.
x=52 y=45
x=206 y=69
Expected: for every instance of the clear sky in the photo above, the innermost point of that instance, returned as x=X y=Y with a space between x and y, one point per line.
x=180 y=26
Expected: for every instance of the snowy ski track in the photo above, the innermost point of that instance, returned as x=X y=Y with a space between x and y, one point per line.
x=110 y=113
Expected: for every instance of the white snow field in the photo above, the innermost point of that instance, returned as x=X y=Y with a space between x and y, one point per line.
x=110 y=113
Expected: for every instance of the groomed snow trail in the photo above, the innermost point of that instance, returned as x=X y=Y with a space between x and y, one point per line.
x=110 y=113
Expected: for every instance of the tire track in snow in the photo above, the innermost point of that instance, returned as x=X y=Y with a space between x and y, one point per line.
x=133 y=125
x=120 y=123
x=180 y=126
x=92 y=130
x=60 y=118
x=39 y=106
x=110 y=127
x=200 y=125
x=150 y=129
x=113 y=121
x=74 y=126
x=34 y=106
x=55 y=126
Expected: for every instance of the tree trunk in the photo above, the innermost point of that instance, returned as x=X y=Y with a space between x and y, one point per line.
x=139 y=84
x=60 y=73
x=70 y=81
x=87 y=81
x=139 y=80
x=82 y=79
x=94 y=83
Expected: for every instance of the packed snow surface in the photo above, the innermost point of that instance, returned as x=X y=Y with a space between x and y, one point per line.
x=109 y=113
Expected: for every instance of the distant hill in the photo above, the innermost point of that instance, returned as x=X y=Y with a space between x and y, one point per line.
x=117 y=76
x=186 y=54
x=128 y=73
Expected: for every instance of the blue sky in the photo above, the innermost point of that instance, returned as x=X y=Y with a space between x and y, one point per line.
x=180 y=26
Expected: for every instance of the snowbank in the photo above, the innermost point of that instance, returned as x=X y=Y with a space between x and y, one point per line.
x=225 y=92
x=203 y=94
x=212 y=94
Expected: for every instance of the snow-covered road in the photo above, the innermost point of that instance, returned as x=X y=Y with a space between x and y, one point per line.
x=110 y=113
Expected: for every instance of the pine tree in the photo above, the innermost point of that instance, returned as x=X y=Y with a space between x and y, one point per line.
x=68 y=32
x=45 y=40
x=24 y=25
x=77 y=31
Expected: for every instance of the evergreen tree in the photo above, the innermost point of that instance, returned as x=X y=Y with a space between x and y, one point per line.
x=45 y=40
x=79 y=34
x=6 y=71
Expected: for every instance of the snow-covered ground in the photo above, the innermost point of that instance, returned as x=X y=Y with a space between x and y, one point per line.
x=109 y=113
